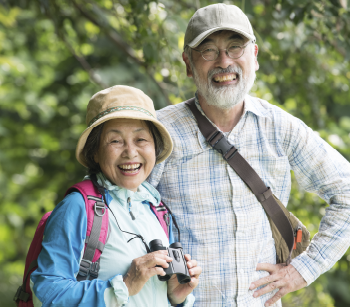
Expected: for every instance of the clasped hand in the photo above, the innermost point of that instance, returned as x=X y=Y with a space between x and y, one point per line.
x=143 y=268
x=284 y=278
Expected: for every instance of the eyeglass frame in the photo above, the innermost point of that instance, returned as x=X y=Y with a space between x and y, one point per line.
x=218 y=53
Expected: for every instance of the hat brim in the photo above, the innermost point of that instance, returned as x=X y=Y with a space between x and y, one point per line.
x=168 y=143
x=205 y=34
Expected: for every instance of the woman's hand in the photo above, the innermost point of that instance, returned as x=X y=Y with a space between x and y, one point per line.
x=177 y=292
x=143 y=268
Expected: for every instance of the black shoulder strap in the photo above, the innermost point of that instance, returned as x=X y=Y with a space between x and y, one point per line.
x=217 y=140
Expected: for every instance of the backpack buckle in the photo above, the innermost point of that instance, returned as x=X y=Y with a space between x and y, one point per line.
x=99 y=206
x=95 y=267
x=16 y=297
x=84 y=267
x=21 y=295
x=89 y=268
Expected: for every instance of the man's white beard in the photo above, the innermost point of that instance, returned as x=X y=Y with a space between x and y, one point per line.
x=225 y=97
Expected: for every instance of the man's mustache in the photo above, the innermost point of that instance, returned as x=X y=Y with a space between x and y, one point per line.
x=230 y=69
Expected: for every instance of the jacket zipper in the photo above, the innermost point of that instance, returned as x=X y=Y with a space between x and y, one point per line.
x=130 y=212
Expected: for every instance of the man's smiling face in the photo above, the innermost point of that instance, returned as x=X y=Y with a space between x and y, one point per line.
x=224 y=81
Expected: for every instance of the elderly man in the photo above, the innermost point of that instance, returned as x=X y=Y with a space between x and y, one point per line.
x=223 y=224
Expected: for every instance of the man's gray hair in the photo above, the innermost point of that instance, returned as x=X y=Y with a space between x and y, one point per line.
x=188 y=52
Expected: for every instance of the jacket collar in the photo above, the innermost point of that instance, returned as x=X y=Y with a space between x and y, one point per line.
x=145 y=192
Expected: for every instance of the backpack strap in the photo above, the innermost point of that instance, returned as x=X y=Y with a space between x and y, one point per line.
x=97 y=229
x=23 y=295
x=163 y=217
x=162 y=212
x=217 y=140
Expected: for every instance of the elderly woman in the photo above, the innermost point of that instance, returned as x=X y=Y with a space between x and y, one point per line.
x=120 y=147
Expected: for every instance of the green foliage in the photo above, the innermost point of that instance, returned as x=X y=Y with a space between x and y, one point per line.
x=54 y=55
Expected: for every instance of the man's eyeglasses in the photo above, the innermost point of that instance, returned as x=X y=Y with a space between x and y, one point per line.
x=211 y=52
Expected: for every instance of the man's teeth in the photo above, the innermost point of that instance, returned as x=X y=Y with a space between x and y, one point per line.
x=225 y=78
x=129 y=166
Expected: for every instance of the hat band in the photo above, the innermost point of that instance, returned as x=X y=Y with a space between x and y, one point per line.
x=120 y=108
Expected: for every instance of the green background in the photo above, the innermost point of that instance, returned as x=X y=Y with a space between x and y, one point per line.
x=54 y=55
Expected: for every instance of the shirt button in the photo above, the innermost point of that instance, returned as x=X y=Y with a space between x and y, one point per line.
x=241 y=271
x=237 y=204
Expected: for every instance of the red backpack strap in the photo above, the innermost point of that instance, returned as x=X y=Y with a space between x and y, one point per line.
x=97 y=229
x=162 y=215
x=23 y=296
x=96 y=235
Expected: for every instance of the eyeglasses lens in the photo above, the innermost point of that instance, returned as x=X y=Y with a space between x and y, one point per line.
x=212 y=53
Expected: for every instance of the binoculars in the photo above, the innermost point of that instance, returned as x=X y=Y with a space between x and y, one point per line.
x=178 y=266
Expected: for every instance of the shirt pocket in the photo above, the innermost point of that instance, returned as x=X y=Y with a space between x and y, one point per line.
x=186 y=147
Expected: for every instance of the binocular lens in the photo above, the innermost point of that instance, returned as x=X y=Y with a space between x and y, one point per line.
x=183 y=279
x=155 y=245
x=164 y=278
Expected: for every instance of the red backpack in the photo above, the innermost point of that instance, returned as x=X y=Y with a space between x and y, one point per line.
x=96 y=235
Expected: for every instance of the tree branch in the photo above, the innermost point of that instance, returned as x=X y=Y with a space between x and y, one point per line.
x=124 y=47
x=87 y=67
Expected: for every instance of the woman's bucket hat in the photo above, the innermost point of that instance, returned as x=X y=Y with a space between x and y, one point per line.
x=121 y=101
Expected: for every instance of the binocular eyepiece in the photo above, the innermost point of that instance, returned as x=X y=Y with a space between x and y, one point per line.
x=178 y=266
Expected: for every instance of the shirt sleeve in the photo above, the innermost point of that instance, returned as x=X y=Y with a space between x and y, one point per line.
x=156 y=175
x=54 y=282
x=320 y=169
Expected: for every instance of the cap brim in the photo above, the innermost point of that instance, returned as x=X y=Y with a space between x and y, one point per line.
x=168 y=143
x=205 y=34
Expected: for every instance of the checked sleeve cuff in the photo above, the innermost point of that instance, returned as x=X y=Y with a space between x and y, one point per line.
x=306 y=267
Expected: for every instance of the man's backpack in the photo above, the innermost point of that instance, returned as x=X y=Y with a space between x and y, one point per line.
x=96 y=235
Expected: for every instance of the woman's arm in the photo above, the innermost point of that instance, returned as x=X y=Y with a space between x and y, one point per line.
x=54 y=282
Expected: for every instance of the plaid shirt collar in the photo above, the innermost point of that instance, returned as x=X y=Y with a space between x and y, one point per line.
x=249 y=106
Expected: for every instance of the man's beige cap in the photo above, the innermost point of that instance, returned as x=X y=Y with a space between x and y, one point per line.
x=216 y=17
x=121 y=101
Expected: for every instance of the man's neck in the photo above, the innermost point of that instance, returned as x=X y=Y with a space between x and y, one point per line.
x=224 y=119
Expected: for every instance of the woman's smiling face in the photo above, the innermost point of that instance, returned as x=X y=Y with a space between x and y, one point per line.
x=126 y=152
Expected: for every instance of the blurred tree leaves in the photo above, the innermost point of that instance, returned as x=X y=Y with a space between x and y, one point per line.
x=54 y=55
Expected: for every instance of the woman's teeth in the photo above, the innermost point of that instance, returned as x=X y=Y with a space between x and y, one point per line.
x=130 y=168
x=225 y=78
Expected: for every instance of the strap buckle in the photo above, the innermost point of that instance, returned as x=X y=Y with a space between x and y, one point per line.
x=166 y=219
x=89 y=268
x=21 y=295
x=99 y=206
x=84 y=267
x=95 y=267
x=222 y=145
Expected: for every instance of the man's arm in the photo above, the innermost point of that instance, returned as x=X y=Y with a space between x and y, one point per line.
x=319 y=169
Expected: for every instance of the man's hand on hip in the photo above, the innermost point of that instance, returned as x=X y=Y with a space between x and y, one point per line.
x=285 y=278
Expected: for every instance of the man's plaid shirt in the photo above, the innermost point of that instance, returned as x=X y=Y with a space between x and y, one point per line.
x=222 y=224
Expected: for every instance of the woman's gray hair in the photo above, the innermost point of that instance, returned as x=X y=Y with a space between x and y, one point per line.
x=93 y=143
